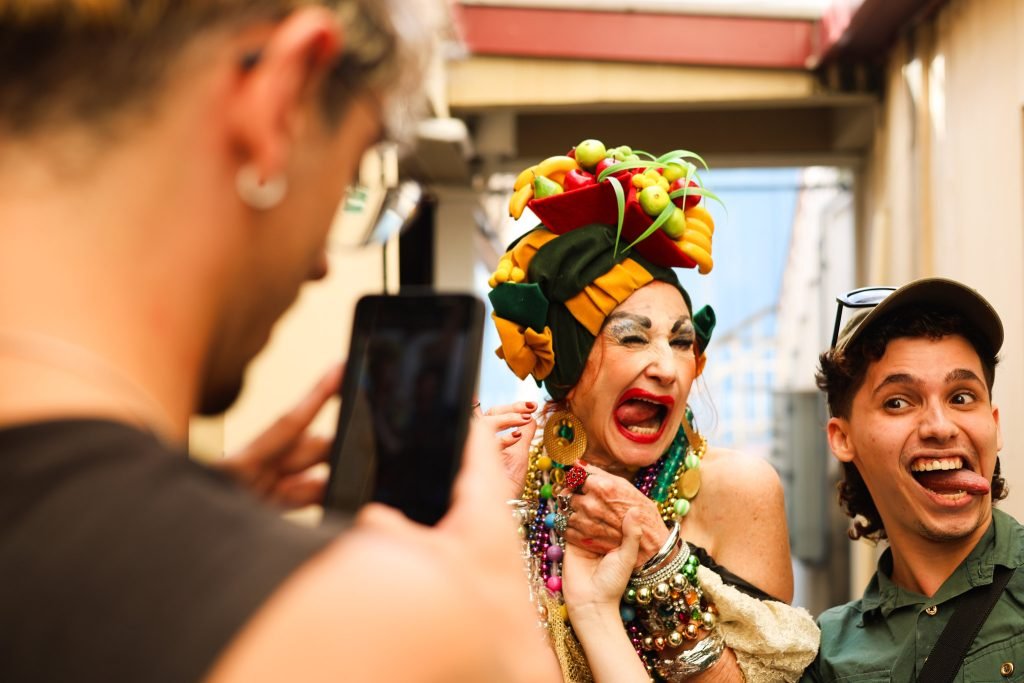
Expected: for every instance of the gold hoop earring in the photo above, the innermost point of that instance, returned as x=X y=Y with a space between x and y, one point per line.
x=565 y=440
x=259 y=193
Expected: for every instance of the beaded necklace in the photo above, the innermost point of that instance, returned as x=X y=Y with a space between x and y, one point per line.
x=672 y=482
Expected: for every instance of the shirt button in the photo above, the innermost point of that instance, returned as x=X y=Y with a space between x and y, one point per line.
x=931 y=610
x=1006 y=669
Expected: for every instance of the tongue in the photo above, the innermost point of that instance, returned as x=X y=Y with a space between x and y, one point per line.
x=632 y=413
x=950 y=481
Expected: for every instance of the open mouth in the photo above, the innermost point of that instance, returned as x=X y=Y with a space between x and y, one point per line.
x=948 y=477
x=641 y=416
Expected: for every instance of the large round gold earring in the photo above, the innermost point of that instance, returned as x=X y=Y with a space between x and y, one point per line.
x=565 y=440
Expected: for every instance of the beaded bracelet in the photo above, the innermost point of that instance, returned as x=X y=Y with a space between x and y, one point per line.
x=697 y=659
x=666 y=548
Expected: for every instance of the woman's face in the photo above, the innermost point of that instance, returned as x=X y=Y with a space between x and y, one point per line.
x=632 y=393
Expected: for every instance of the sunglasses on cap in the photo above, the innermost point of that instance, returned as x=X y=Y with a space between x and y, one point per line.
x=865 y=297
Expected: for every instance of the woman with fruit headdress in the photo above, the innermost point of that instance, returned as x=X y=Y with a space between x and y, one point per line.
x=651 y=554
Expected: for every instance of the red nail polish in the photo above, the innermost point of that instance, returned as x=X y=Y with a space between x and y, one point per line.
x=517 y=433
x=530 y=405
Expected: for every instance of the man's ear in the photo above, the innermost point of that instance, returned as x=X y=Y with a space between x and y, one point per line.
x=839 y=441
x=272 y=91
x=999 y=429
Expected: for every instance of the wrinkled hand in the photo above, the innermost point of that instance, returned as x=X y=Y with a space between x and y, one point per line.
x=600 y=508
x=280 y=465
x=515 y=444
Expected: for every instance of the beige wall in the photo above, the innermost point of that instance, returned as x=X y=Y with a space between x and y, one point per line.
x=943 y=184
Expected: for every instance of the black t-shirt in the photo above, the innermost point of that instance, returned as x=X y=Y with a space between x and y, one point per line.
x=122 y=560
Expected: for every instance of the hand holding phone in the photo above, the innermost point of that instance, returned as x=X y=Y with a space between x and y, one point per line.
x=409 y=382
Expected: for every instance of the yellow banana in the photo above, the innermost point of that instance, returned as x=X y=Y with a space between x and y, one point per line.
x=698 y=238
x=556 y=164
x=703 y=215
x=697 y=225
x=519 y=199
x=525 y=177
x=501 y=273
x=700 y=256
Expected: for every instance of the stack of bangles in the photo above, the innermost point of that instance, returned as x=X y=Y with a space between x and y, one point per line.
x=665 y=599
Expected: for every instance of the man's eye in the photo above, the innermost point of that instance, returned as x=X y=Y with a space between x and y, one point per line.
x=964 y=398
x=895 y=403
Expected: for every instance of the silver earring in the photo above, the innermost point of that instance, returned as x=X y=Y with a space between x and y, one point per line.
x=258 y=193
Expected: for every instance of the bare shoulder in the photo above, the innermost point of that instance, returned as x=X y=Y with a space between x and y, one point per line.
x=742 y=507
x=401 y=603
x=738 y=473
x=340 y=616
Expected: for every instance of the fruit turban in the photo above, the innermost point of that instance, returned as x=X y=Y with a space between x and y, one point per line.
x=551 y=294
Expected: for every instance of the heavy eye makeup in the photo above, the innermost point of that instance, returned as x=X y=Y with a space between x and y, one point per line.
x=629 y=331
x=683 y=334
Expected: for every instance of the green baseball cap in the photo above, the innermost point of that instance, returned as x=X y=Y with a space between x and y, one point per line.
x=936 y=291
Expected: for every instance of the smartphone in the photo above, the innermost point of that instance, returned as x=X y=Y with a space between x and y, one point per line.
x=406 y=401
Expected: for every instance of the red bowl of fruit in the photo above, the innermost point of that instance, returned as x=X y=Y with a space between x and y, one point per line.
x=564 y=193
x=597 y=203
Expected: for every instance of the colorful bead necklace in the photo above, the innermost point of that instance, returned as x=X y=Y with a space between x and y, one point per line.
x=672 y=482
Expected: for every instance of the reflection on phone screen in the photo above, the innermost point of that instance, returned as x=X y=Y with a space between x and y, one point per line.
x=406 y=401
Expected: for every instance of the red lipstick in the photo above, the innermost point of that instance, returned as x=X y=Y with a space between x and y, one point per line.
x=639 y=394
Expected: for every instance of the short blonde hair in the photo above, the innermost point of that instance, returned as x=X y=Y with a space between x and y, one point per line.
x=83 y=61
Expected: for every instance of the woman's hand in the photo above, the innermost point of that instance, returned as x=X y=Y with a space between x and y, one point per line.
x=280 y=465
x=592 y=587
x=514 y=444
x=599 y=508
x=594 y=581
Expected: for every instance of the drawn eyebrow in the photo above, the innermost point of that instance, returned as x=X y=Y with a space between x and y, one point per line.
x=641 y=320
x=679 y=323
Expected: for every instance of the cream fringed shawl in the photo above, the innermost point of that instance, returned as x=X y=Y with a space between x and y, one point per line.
x=773 y=642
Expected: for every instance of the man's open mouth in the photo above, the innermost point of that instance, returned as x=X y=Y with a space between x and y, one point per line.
x=948 y=477
x=641 y=415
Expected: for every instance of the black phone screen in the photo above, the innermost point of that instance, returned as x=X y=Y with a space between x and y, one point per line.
x=409 y=382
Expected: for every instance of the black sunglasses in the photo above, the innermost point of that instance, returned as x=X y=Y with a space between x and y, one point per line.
x=865 y=297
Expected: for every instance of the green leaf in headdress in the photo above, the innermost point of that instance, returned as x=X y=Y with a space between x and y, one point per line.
x=661 y=218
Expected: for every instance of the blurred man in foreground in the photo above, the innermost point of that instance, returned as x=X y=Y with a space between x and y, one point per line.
x=168 y=174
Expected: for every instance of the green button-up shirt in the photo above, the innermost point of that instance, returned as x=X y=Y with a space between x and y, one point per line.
x=888 y=633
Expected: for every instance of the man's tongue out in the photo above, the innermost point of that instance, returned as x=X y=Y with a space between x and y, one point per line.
x=951 y=481
x=635 y=413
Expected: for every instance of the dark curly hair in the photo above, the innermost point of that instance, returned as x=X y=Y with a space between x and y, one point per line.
x=841 y=373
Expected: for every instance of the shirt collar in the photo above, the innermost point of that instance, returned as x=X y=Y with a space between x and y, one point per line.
x=1002 y=543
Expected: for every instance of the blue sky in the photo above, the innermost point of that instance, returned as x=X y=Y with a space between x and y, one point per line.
x=751 y=242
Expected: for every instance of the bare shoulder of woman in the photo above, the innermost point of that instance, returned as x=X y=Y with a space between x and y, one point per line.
x=743 y=500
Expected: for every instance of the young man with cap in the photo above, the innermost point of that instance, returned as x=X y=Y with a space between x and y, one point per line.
x=909 y=388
